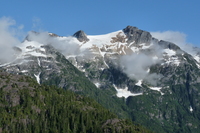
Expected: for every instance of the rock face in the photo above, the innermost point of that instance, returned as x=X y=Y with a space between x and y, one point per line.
x=81 y=36
x=137 y=36
x=166 y=44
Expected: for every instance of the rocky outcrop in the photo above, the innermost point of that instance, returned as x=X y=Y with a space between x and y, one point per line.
x=81 y=36
x=166 y=44
x=137 y=36
x=53 y=35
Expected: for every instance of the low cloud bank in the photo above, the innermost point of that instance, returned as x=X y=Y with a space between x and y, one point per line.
x=137 y=66
x=66 y=46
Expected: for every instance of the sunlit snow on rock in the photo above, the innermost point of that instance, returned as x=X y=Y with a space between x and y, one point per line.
x=139 y=83
x=38 y=62
x=32 y=48
x=157 y=89
x=125 y=93
x=191 y=109
x=37 y=77
x=171 y=57
x=169 y=52
x=97 y=85
x=24 y=71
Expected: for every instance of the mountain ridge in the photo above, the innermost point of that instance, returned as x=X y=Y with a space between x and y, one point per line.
x=129 y=66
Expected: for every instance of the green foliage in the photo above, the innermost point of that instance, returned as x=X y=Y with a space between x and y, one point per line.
x=42 y=108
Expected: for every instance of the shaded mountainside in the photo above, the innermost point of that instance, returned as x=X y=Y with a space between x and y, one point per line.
x=26 y=106
x=55 y=69
x=130 y=72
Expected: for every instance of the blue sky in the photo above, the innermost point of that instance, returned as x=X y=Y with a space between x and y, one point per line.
x=65 y=17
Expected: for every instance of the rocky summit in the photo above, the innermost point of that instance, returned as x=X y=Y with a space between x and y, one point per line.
x=153 y=82
x=81 y=36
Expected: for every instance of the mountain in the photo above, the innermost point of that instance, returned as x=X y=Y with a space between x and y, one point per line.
x=153 y=82
x=48 y=66
x=27 y=106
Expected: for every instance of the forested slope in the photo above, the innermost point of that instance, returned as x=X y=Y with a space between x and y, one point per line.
x=26 y=106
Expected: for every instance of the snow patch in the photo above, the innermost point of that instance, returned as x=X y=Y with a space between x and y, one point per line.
x=6 y=64
x=139 y=83
x=103 y=54
x=157 y=89
x=169 y=52
x=134 y=49
x=173 y=60
x=197 y=58
x=123 y=50
x=39 y=62
x=131 y=44
x=125 y=93
x=31 y=48
x=37 y=77
x=198 y=65
x=101 y=69
x=97 y=84
x=170 y=57
x=144 y=46
x=191 y=109
x=99 y=40
x=24 y=71
x=184 y=58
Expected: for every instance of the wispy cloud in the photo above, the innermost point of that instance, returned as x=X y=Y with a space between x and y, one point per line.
x=66 y=46
x=176 y=37
x=37 y=24
x=8 y=39
x=171 y=36
x=137 y=66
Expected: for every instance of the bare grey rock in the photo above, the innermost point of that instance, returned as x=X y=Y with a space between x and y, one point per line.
x=137 y=36
x=166 y=44
x=81 y=36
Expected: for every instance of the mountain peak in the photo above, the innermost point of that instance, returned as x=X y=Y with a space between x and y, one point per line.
x=53 y=34
x=130 y=29
x=137 y=36
x=81 y=36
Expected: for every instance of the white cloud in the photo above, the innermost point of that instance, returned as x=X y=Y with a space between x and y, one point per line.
x=175 y=37
x=136 y=66
x=66 y=47
x=20 y=27
x=171 y=36
x=8 y=38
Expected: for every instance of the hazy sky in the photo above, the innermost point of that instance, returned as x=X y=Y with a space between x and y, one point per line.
x=65 y=17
